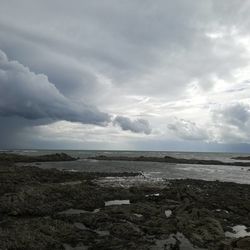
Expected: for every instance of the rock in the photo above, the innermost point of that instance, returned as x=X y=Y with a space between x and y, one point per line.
x=236 y=244
x=243 y=243
x=125 y=230
x=199 y=228
x=31 y=200
x=241 y=158
x=40 y=158
x=169 y=159
x=38 y=233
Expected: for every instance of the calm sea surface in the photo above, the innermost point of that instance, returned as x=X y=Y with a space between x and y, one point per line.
x=151 y=169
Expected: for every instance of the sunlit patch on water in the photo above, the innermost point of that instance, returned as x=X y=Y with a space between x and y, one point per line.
x=238 y=231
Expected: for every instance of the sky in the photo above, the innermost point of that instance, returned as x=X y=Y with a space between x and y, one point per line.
x=125 y=75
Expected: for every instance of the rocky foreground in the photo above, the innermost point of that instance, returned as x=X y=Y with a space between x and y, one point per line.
x=51 y=209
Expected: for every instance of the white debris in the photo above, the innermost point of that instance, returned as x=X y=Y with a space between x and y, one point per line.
x=138 y=215
x=239 y=231
x=117 y=202
x=168 y=213
x=149 y=195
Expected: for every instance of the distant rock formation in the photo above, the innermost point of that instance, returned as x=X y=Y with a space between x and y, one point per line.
x=41 y=158
x=169 y=159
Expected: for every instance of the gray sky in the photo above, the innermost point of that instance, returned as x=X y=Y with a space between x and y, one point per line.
x=145 y=75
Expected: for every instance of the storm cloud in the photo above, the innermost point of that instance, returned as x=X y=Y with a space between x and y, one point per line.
x=136 y=126
x=31 y=96
x=181 y=67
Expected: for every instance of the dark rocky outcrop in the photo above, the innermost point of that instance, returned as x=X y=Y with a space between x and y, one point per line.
x=242 y=158
x=8 y=157
x=236 y=244
x=169 y=159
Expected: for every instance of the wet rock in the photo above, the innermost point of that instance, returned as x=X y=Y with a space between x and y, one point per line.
x=38 y=233
x=243 y=243
x=199 y=227
x=31 y=200
x=40 y=158
x=236 y=244
x=125 y=230
x=241 y=158
x=49 y=199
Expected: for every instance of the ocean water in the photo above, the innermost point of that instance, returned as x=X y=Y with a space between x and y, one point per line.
x=88 y=153
x=151 y=169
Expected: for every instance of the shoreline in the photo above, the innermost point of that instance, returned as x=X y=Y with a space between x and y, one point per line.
x=69 y=210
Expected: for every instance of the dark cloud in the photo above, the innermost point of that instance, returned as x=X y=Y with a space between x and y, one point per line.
x=31 y=96
x=163 y=42
x=135 y=58
x=236 y=114
x=136 y=126
x=232 y=123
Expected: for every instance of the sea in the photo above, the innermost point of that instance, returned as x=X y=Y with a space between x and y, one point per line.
x=166 y=171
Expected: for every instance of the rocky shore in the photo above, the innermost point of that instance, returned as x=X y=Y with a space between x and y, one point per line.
x=52 y=209
x=9 y=157
x=244 y=158
x=169 y=159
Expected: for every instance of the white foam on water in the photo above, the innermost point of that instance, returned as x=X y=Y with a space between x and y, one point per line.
x=117 y=202
x=130 y=181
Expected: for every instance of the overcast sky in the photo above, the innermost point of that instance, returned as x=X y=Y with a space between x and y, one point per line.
x=134 y=74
